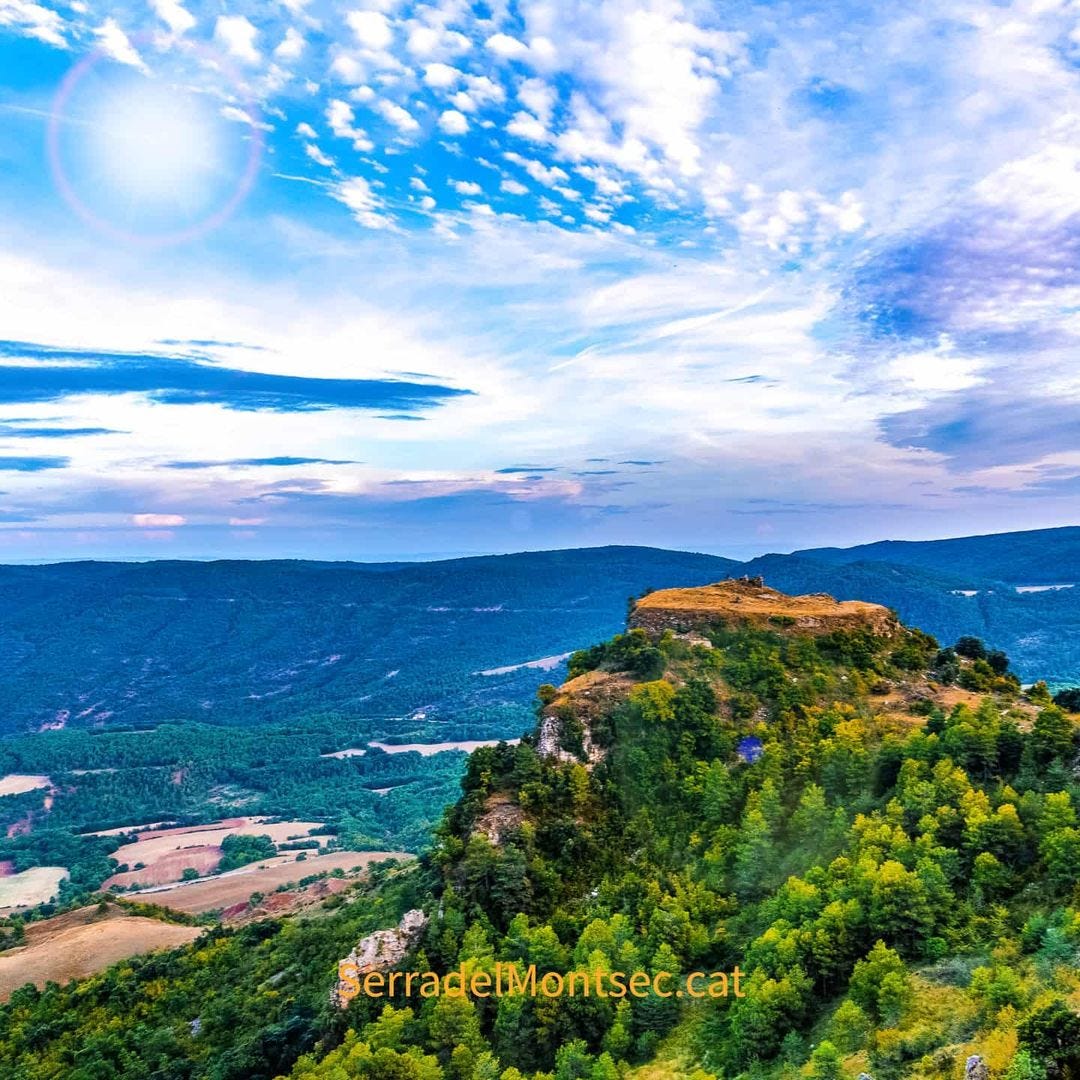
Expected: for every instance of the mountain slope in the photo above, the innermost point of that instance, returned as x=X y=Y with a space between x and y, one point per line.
x=1039 y=630
x=1034 y=557
x=887 y=859
x=402 y=645
x=246 y=642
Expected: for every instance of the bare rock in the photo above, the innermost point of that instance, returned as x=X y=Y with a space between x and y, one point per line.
x=975 y=1068
x=380 y=951
x=500 y=817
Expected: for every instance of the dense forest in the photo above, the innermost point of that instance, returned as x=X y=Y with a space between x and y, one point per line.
x=881 y=833
x=239 y=643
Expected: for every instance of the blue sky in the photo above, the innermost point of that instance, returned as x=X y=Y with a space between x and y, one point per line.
x=377 y=278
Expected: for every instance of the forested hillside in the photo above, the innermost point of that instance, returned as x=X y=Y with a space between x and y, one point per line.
x=882 y=834
x=253 y=642
x=1035 y=557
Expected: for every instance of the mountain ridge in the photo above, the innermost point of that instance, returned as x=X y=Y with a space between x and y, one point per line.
x=240 y=642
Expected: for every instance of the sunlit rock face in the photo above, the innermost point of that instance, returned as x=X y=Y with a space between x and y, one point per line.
x=380 y=951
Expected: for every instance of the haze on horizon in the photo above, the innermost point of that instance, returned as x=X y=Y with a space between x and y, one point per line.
x=339 y=280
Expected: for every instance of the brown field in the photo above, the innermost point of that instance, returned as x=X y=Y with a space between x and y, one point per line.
x=35 y=886
x=127 y=829
x=17 y=783
x=168 y=852
x=80 y=943
x=236 y=886
x=170 y=867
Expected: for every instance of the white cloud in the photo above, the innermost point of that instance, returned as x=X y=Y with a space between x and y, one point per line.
x=367 y=207
x=466 y=187
x=538 y=97
x=938 y=370
x=117 y=45
x=453 y=122
x=397 y=115
x=157 y=521
x=480 y=91
x=34 y=21
x=507 y=47
x=306 y=131
x=429 y=42
x=526 y=126
x=648 y=78
x=417 y=184
x=484 y=90
x=513 y=187
x=549 y=176
x=789 y=220
x=175 y=16
x=292 y=45
x=441 y=76
x=316 y=155
x=371 y=28
x=238 y=36
x=242 y=116
x=340 y=117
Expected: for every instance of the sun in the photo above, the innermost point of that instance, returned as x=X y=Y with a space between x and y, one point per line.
x=156 y=146
x=147 y=160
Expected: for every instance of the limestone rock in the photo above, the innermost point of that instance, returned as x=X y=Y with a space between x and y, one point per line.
x=381 y=951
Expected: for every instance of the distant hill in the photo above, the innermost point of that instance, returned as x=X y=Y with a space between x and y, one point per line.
x=1037 y=557
x=248 y=642
x=402 y=643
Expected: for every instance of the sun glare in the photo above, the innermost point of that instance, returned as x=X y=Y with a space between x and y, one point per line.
x=157 y=147
x=146 y=160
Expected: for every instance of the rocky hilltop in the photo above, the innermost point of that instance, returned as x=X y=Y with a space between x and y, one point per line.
x=741 y=603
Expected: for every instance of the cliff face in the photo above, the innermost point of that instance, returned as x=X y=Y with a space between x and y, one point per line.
x=748 y=603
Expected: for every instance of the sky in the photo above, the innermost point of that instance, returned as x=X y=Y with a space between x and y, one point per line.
x=377 y=279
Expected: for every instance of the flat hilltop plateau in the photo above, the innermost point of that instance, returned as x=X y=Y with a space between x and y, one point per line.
x=749 y=603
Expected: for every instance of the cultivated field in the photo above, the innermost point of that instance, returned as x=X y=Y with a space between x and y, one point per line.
x=36 y=886
x=17 y=783
x=167 y=853
x=236 y=886
x=81 y=942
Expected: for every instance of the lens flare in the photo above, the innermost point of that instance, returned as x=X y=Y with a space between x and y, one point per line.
x=146 y=162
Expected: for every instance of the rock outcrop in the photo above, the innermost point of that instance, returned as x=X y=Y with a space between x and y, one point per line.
x=585 y=698
x=501 y=816
x=746 y=602
x=380 y=951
